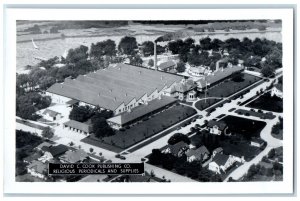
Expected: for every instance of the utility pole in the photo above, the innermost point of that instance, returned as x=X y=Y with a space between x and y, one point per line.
x=205 y=91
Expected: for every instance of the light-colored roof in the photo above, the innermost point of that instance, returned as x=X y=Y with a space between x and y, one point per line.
x=51 y=113
x=166 y=65
x=218 y=75
x=185 y=87
x=38 y=167
x=220 y=124
x=74 y=156
x=44 y=144
x=142 y=110
x=199 y=69
x=117 y=84
x=78 y=125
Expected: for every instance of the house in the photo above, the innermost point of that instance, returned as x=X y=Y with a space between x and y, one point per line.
x=38 y=169
x=257 y=142
x=78 y=127
x=32 y=157
x=200 y=154
x=218 y=150
x=44 y=144
x=220 y=163
x=217 y=127
x=191 y=96
x=198 y=71
x=76 y=156
x=181 y=89
x=54 y=151
x=167 y=66
x=277 y=90
x=51 y=115
x=177 y=149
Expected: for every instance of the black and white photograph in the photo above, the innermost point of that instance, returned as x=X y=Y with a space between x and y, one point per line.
x=198 y=100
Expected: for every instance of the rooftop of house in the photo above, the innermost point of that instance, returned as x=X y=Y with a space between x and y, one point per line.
x=78 y=125
x=167 y=64
x=198 y=153
x=218 y=75
x=177 y=147
x=220 y=159
x=112 y=86
x=45 y=144
x=142 y=110
x=51 y=113
x=181 y=87
x=74 y=156
x=220 y=124
x=199 y=69
x=32 y=157
x=38 y=167
x=56 y=150
x=218 y=150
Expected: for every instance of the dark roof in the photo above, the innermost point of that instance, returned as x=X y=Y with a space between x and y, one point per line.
x=177 y=147
x=218 y=75
x=258 y=140
x=220 y=124
x=166 y=65
x=218 y=150
x=32 y=157
x=220 y=159
x=278 y=86
x=51 y=113
x=78 y=125
x=112 y=86
x=142 y=110
x=198 y=153
x=72 y=102
x=56 y=150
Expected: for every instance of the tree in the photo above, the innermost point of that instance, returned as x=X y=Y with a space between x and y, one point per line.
x=180 y=67
x=77 y=54
x=267 y=70
x=128 y=45
x=205 y=43
x=151 y=63
x=91 y=150
x=47 y=133
x=175 y=46
x=135 y=60
x=147 y=48
x=104 y=48
x=81 y=113
x=178 y=137
x=100 y=127
x=54 y=30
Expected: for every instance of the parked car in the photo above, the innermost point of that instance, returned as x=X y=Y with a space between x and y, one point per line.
x=200 y=117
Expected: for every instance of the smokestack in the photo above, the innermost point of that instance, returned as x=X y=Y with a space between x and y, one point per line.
x=155 y=56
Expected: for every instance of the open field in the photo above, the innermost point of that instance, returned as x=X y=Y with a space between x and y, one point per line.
x=244 y=127
x=138 y=132
x=266 y=102
x=225 y=89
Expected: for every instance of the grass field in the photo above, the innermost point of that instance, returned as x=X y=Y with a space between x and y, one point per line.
x=244 y=127
x=142 y=130
x=225 y=89
x=266 y=102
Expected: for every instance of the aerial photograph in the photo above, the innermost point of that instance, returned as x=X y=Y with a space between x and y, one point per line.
x=190 y=100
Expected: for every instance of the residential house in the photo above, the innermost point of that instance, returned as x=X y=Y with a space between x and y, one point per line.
x=277 y=90
x=167 y=66
x=32 y=157
x=44 y=144
x=71 y=156
x=51 y=115
x=37 y=169
x=220 y=163
x=200 y=154
x=181 y=89
x=198 y=71
x=78 y=127
x=53 y=152
x=257 y=142
x=177 y=149
x=218 y=150
x=217 y=127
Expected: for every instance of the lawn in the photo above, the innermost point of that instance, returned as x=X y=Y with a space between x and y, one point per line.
x=267 y=102
x=244 y=127
x=262 y=115
x=225 y=89
x=142 y=130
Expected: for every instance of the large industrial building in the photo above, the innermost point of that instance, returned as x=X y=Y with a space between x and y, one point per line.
x=119 y=88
